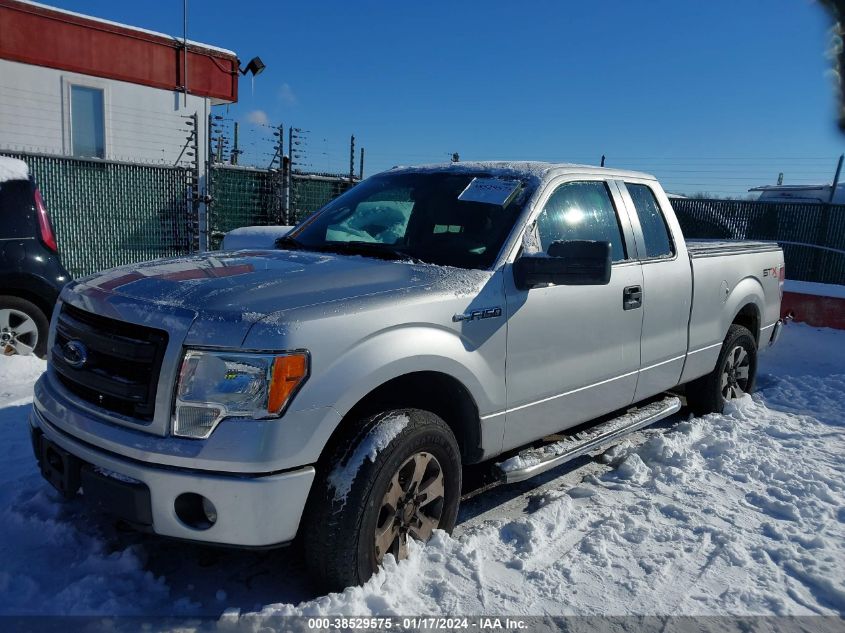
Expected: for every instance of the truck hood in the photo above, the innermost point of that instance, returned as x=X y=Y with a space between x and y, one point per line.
x=223 y=295
x=259 y=283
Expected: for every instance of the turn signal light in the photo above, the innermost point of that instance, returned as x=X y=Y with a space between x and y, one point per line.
x=288 y=373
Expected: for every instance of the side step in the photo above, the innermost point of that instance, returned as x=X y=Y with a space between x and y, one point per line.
x=534 y=461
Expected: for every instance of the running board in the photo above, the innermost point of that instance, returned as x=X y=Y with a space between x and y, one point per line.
x=534 y=461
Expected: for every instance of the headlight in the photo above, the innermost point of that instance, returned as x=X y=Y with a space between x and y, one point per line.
x=217 y=385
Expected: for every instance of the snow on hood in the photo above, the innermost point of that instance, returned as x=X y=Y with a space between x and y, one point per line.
x=13 y=169
x=260 y=282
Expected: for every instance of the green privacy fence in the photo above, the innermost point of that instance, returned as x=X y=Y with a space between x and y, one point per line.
x=110 y=213
x=248 y=196
x=243 y=196
x=310 y=192
x=812 y=235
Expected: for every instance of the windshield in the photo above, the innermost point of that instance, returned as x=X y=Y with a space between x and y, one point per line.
x=431 y=217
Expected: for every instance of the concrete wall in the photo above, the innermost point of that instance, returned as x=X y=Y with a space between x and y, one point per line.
x=142 y=124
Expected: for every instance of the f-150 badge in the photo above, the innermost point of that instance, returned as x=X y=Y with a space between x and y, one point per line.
x=477 y=315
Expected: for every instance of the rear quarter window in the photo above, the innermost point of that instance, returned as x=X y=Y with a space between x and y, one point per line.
x=658 y=242
x=17 y=210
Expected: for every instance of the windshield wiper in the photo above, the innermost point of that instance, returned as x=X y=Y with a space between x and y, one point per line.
x=366 y=249
x=289 y=242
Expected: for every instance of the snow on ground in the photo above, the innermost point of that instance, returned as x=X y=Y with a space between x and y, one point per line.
x=742 y=513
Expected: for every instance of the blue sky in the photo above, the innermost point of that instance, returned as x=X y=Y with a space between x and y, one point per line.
x=710 y=96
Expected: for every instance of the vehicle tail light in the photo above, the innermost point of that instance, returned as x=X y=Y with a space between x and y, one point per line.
x=781 y=278
x=45 y=227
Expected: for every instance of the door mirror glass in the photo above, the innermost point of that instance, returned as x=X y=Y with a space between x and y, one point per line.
x=568 y=263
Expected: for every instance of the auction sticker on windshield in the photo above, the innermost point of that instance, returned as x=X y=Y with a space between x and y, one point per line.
x=490 y=191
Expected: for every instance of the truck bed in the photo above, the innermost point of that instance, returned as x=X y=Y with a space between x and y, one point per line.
x=719 y=248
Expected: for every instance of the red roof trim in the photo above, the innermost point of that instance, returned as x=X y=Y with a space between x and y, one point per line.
x=54 y=39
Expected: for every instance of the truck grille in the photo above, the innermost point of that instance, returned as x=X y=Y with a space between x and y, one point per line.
x=121 y=362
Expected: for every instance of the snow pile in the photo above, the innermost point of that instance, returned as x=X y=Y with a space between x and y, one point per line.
x=574 y=444
x=13 y=169
x=384 y=433
x=53 y=558
x=741 y=513
x=17 y=377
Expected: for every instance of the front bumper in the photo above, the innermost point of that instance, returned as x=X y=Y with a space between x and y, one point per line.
x=251 y=510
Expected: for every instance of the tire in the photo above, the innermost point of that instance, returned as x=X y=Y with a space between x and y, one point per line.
x=23 y=327
x=339 y=532
x=734 y=375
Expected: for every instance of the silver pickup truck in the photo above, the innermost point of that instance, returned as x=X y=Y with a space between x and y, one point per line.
x=331 y=389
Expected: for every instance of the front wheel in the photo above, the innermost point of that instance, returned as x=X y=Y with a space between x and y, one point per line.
x=733 y=376
x=397 y=478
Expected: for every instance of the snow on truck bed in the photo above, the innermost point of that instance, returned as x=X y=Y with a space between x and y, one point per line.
x=741 y=513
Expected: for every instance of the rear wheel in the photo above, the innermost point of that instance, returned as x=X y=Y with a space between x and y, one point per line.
x=23 y=327
x=398 y=478
x=734 y=375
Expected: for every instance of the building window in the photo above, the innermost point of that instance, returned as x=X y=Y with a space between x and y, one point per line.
x=87 y=122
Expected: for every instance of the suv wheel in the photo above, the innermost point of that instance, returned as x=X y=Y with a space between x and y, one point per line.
x=23 y=327
x=733 y=376
x=398 y=478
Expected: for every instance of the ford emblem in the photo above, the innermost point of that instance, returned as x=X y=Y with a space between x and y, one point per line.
x=75 y=353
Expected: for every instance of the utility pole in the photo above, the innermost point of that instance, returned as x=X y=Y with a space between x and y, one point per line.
x=285 y=190
x=185 y=50
x=209 y=142
x=361 y=166
x=235 y=151
x=352 y=158
x=290 y=149
x=279 y=134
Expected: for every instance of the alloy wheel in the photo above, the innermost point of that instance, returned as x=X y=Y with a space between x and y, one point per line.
x=411 y=507
x=18 y=332
x=734 y=381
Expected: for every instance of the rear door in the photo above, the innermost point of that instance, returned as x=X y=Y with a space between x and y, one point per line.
x=573 y=352
x=667 y=285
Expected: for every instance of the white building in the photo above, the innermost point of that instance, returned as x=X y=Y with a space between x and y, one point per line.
x=75 y=85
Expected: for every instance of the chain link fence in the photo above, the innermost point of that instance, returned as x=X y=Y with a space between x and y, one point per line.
x=109 y=213
x=311 y=192
x=249 y=196
x=243 y=196
x=812 y=235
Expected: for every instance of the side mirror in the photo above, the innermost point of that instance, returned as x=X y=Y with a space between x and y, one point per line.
x=570 y=263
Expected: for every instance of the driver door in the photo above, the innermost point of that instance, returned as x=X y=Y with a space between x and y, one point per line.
x=573 y=352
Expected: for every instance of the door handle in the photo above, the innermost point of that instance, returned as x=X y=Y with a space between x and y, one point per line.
x=632 y=298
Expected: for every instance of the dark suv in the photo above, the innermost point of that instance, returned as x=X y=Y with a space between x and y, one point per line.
x=31 y=274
